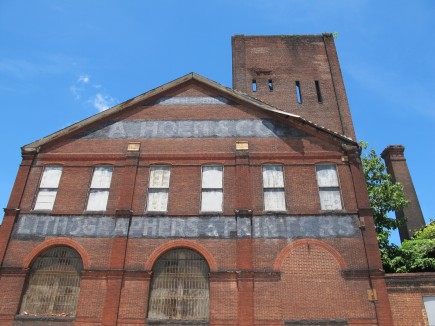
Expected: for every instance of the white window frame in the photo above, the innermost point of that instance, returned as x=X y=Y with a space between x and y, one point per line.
x=329 y=188
x=156 y=190
x=48 y=186
x=209 y=186
x=99 y=187
x=277 y=187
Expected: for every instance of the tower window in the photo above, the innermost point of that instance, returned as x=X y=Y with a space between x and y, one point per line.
x=254 y=85
x=298 y=92
x=270 y=85
x=319 y=93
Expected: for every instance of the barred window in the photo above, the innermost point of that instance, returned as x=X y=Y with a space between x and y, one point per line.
x=212 y=192
x=273 y=186
x=100 y=186
x=48 y=188
x=158 y=191
x=329 y=187
x=179 y=288
x=54 y=283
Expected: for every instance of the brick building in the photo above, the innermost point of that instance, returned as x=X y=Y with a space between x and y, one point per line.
x=198 y=204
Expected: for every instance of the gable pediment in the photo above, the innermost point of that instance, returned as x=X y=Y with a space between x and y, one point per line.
x=191 y=107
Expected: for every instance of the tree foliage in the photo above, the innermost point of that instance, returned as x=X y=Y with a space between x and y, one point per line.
x=414 y=255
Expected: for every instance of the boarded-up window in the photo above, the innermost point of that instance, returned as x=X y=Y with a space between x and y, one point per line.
x=54 y=283
x=158 y=191
x=179 y=288
x=212 y=190
x=273 y=186
x=48 y=188
x=329 y=187
x=100 y=185
x=429 y=305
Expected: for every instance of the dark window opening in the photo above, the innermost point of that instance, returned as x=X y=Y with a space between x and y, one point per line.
x=270 y=85
x=299 y=92
x=254 y=85
x=319 y=93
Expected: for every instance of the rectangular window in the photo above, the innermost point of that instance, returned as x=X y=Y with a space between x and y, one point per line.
x=329 y=188
x=273 y=186
x=48 y=188
x=429 y=305
x=270 y=84
x=99 y=190
x=158 y=190
x=212 y=190
x=254 y=85
x=298 y=92
x=319 y=93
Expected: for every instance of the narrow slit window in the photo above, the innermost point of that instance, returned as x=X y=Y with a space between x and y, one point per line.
x=48 y=188
x=158 y=191
x=298 y=92
x=212 y=190
x=99 y=190
x=254 y=85
x=273 y=188
x=329 y=187
x=270 y=84
x=319 y=93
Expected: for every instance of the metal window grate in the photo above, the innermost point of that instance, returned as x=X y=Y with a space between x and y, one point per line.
x=54 y=283
x=180 y=287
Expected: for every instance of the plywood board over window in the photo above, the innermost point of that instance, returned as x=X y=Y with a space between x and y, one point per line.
x=158 y=191
x=99 y=190
x=48 y=188
x=212 y=188
x=273 y=186
x=329 y=187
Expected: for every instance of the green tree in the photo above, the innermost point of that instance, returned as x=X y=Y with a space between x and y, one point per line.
x=414 y=255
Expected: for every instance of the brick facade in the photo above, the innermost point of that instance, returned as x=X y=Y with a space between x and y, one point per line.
x=299 y=265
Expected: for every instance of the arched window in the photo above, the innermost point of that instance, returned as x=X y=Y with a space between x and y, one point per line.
x=54 y=283
x=179 y=288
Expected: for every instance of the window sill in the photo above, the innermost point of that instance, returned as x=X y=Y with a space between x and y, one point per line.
x=275 y=212
x=156 y=213
x=44 y=318
x=211 y=213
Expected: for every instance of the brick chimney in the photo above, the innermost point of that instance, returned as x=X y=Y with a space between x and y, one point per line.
x=396 y=166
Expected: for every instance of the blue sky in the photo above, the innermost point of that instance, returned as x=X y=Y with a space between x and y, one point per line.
x=62 y=61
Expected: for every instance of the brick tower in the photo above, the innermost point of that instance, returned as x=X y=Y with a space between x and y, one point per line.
x=296 y=73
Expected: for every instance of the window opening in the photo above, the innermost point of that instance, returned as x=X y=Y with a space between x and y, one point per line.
x=273 y=186
x=329 y=188
x=54 y=284
x=298 y=92
x=158 y=191
x=319 y=93
x=212 y=190
x=254 y=85
x=179 y=287
x=48 y=188
x=270 y=85
x=99 y=190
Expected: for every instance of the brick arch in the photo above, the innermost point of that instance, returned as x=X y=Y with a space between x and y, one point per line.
x=306 y=242
x=181 y=244
x=56 y=242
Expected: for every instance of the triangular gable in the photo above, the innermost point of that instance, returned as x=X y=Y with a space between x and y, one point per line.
x=152 y=97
